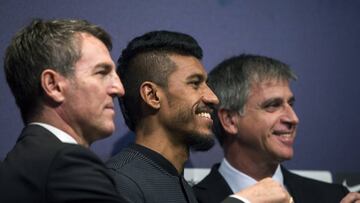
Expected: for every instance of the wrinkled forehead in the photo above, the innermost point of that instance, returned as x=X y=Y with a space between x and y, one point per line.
x=271 y=88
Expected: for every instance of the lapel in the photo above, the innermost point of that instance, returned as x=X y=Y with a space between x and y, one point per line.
x=215 y=185
x=292 y=185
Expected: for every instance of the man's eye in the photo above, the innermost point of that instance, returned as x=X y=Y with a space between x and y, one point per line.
x=195 y=83
x=272 y=106
x=102 y=72
x=292 y=104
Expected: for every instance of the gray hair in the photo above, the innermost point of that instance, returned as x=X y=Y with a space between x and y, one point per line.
x=231 y=81
x=53 y=44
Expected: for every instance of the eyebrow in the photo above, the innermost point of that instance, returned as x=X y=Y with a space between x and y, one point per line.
x=276 y=99
x=198 y=76
x=104 y=65
x=270 y=100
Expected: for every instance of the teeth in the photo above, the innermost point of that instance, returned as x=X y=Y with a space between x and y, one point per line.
x=283 y=134
x=206 y=115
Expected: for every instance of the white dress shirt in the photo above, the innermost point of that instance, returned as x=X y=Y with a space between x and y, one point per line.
x=61 y=135
x=238 y=181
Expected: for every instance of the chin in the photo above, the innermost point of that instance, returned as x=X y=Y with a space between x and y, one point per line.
x=107 y=132
x=202 y=142
x=202 y=146
x=286 y=157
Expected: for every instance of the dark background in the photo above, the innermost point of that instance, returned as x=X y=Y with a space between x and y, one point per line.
x=319 y=39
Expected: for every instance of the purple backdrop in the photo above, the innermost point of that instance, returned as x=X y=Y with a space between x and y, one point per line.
x=319 y=39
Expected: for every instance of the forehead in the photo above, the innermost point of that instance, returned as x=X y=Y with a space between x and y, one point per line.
x=270 y=88
x=93 y=52
x=187 y=66
x=89 y=43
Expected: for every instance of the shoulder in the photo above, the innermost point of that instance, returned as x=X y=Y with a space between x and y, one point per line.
x=123 y=158
x=77 y=169
x=213 y=188
x=292 y=178
x=128 y=167
x=135 y=175
x=213 y=177
x=64 y=171
x=309 y=189
x=212 y=180
x=132 y=164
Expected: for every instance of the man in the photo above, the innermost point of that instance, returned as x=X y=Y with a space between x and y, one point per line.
x=256 y=126
x=168 y=106
x=64 y=82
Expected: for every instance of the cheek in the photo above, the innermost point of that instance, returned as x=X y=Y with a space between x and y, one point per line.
x=182 y=112
x=95 y=93
x=266 y=121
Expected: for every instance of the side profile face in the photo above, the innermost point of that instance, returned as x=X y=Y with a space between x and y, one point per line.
x=186 y=108
x=88 y=106
x=267 y=129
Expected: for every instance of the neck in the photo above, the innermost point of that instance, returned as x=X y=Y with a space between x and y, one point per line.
x=176 y=153
x=50 y=117
x=250 y=163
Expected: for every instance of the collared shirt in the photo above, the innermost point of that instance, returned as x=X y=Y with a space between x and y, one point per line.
x=61 y=135
x=148 y=175
x=238 y=181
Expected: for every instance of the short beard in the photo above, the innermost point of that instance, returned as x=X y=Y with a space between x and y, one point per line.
x=194 y=140
x=200 y=142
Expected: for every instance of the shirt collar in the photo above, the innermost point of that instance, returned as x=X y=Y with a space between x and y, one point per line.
x=238 y=180
x=61 y=135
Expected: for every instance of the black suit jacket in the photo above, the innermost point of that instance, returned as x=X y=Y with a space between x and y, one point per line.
x=213 y=188
x=40 y=168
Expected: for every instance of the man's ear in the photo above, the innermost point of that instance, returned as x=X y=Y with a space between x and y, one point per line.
x=150 y=94
x=228 y=120
x=53 y=83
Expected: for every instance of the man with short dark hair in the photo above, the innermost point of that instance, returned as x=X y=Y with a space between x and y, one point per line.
x=64 y=82
x=168 y=106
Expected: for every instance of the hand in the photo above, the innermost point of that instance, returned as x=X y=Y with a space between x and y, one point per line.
x=351 y=197
x=266 y=190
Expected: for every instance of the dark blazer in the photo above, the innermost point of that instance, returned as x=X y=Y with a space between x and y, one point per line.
x=40 y=168
x=213 y=188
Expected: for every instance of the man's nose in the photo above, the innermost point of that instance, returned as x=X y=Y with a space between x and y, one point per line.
x=290 y=115
x=209 y=97
x=117 y=88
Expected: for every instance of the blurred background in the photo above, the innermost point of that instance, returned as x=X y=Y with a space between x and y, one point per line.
x=319 y=39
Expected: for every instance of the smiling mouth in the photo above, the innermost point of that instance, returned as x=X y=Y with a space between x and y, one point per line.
x=283 y=133
x=204 y=114
x=287 y=134
x=203 y=111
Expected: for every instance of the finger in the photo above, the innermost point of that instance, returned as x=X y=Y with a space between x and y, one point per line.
x=352 y=197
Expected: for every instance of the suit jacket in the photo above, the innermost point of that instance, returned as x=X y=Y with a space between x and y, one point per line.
x=40 y=168
x=213 y=188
